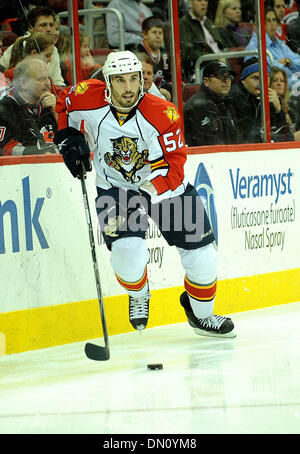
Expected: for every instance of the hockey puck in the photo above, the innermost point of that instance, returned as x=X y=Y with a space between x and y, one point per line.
x=155 y=366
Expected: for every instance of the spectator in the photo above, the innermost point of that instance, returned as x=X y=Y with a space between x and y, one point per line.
x=159 y=9
x=1 y=44
x=134 y=12
x=4 y=86
x=56 y=30
x=209 y=118
x=293 y=33
x=153 y=41
x=27 y=115
x=246 y=101
x=228 y=17
x=148 y=76
x=278 y=81
x=284 y=57
x=88 y=64
x=279 y=9
x=198 y=36
x=64 y=52
x=34 y=44
x=40 y=19
x=294 y=103
x=248 y=11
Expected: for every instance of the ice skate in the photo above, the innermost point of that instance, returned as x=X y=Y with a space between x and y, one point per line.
x=139 y=311
x=214 y=326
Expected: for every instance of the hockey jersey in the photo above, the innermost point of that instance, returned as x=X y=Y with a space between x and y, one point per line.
x=161 y=66
x=148 y=144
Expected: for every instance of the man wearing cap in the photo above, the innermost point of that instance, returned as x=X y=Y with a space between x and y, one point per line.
x=209 y=118
x=246 y=101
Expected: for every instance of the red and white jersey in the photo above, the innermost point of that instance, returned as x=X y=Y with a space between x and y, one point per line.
x=148 y=145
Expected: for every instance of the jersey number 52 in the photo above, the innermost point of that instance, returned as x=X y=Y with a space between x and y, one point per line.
x=173 y=140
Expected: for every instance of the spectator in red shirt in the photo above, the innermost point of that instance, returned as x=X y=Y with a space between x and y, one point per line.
x=279 y=8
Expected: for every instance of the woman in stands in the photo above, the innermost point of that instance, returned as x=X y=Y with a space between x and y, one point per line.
x=88 y=64
x=278 y=81
x=228 y=19
x=35 y=44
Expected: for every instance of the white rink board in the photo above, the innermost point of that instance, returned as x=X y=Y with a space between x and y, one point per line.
x=247 y=250
x=60 y=270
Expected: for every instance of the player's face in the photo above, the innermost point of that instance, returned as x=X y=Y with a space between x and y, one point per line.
x=154 y=38
x=125 y=89
x=251 y=83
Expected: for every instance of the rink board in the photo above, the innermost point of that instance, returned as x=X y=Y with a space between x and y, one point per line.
x=48 y=290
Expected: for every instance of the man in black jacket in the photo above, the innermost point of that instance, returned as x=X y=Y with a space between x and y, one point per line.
x=246 y=101
x=28 y=120
x=209 y=118
x=198 y=36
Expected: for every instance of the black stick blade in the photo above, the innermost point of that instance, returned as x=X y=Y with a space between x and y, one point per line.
x=96 y=352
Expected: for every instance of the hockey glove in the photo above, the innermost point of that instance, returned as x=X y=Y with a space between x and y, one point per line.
x=75 y=151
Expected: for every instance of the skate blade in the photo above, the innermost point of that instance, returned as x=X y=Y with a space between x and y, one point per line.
x=140 y=328
x=202 y=332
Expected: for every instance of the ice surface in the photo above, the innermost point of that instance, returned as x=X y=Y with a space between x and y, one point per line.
x=249 y=384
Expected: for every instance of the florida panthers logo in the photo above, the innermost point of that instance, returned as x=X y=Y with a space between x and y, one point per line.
x=126 y=158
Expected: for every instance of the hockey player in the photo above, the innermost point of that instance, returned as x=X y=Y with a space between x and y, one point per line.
x=139 y=157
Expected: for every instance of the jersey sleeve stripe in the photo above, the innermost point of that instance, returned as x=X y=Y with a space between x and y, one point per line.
x=161 y=164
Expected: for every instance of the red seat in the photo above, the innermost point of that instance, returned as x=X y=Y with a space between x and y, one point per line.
x=248 y=27
x=236 y=63
x=100 y=55
x=189 y=90
x=8 y=38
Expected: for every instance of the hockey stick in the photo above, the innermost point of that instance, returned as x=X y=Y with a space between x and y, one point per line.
x=93 y=351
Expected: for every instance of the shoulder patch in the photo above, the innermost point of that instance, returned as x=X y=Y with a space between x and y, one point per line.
x=172 y=114
x=81 y=88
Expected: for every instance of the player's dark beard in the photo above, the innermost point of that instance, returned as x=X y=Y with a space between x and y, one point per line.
x=123 y=102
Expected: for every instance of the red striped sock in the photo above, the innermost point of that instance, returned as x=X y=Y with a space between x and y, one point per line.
x=202 y=297
x=204 y=292
x=134 y=286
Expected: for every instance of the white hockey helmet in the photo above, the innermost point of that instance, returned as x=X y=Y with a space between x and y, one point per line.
x=121 y=62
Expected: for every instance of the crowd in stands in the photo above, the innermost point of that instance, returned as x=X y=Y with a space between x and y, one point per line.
x=224 y=106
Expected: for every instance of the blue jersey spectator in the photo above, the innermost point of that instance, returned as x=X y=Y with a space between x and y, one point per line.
x=284 y=57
